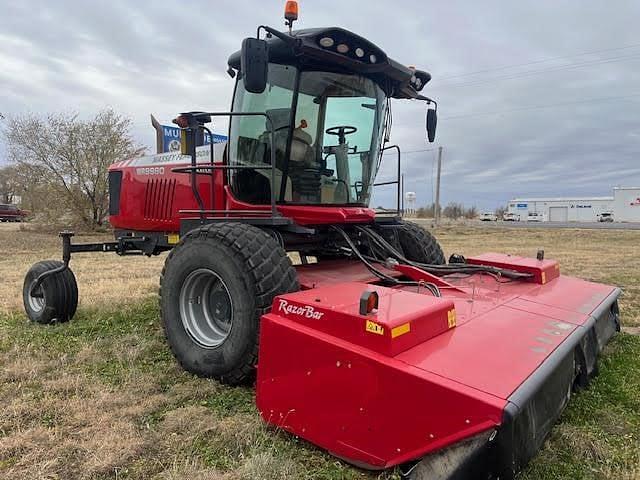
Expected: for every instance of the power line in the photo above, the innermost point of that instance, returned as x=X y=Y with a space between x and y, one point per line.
x=534 y=107
x=413 y=151
x=543 y=70
x=534 y=62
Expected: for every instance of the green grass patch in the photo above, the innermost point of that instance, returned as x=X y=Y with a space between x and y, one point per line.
x=597 y=437
x=88 y=325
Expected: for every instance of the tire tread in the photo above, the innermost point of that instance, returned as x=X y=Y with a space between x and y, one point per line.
x=268 y=266
x=419 y=245
x=62 y=297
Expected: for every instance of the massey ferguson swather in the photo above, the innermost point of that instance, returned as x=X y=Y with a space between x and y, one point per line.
x=380 y=352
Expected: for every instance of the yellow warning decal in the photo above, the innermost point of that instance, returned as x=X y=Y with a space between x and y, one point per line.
x=374 y=327
x=451 y=318
x=400 y=330
x=173 y=238
x=544 y=277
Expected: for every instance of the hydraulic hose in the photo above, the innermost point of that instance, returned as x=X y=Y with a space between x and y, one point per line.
x=383 y=276
x=439 y=270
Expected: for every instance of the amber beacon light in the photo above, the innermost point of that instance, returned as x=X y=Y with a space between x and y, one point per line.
x=290 y=12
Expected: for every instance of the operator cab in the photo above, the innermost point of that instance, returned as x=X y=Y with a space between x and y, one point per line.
x=331 y=137
x=326 y=93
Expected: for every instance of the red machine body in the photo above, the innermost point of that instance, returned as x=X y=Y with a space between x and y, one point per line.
x=488 y=360
x=461 y=369
x=155 y=198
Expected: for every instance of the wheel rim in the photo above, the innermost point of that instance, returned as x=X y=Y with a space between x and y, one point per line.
x=206 y=308
x=36 y=303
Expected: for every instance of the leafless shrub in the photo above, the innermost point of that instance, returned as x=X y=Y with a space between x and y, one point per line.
x=63 y=161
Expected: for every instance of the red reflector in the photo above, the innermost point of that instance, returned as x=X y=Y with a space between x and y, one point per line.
x=368 y=302
x=181 y=121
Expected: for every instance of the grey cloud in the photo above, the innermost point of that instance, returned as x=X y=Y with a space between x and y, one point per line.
x=164 y=57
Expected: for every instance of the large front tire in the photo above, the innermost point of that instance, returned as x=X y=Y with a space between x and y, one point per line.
x=419 y=245
x=215 y=285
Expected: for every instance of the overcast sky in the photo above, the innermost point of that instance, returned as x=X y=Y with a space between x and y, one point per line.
x=536 y=98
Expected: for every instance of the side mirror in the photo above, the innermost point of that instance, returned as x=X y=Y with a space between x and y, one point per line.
x=432 y=121
x=254 y=62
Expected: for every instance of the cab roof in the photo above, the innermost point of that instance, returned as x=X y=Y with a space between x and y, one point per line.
x=302 y=49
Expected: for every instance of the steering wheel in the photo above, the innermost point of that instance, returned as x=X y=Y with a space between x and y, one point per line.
x=340 y=131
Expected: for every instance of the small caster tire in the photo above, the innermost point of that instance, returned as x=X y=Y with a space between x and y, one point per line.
x=56 y=299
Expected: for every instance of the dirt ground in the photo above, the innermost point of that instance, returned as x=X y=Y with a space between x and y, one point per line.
x=101 y=397
x=611 y=256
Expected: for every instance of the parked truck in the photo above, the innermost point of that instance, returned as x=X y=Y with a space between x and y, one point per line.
x=11 y=213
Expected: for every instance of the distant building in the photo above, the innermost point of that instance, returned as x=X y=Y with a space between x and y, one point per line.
x=624 y=205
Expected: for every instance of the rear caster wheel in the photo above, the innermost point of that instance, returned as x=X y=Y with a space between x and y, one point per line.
x=56 y=299
x=215 y=285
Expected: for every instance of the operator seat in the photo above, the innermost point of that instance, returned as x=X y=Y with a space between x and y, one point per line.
x=303 y=169
x=253 y=186
x=301 y=151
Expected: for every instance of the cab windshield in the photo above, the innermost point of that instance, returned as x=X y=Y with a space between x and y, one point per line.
x=327 y=128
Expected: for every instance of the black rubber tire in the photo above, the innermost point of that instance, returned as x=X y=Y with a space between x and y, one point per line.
x=419 y=245
x=60 y=294
x=254 y=268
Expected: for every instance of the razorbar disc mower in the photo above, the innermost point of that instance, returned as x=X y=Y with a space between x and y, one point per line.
x=378 y=351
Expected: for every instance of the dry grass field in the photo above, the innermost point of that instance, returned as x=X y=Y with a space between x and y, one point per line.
x=102 y=398
x=103 y=279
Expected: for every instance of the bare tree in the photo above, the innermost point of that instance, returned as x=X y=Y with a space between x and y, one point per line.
x=453 y=210
x=72 y=157
x=427 y=211
x=471 y=212
x=10 y=186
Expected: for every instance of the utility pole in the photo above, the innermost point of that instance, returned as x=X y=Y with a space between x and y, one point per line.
x=402 y=195
x=436 y=210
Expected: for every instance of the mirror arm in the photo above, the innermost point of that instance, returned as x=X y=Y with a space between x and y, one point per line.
x=428 y=100
x=291 y=41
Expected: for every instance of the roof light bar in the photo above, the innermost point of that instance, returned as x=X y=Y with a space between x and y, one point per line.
x=326 y=42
